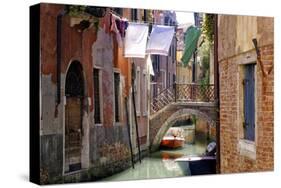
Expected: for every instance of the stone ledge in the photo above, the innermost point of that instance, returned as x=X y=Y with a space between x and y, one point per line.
x=247 y=148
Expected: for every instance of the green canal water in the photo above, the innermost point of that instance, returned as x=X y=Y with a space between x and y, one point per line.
x=160 y=164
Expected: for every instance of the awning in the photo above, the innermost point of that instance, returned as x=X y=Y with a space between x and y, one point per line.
x=191 y=38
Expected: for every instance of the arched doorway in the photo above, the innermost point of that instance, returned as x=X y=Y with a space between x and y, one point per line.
x=74 y=92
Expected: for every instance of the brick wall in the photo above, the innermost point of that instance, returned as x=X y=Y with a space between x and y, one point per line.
x=233 y=157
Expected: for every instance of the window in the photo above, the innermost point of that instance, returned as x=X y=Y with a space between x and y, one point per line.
x=138 y=91
x=170 y=50
x=169 y=81
x=117 y=96
x=174 y=49
x=156 y=63
x=118 y=11
x=249 y=102
x=163 y=78
x=144 y=94
x=145 y=15
x=134 y=14
x=166 y=20
x=97 y=96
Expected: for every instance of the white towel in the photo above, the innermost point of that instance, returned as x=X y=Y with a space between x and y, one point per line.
x=149 y=65
x=136 y=40
x=160 y=40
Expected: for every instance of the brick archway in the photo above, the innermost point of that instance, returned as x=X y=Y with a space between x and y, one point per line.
x=160 y=123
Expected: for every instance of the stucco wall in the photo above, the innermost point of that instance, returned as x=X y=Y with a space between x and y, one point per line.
x=104 y=144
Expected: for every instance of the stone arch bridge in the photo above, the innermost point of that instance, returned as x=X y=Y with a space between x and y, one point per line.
x=179 y=102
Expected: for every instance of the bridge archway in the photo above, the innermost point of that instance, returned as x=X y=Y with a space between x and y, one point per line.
x=171 y=120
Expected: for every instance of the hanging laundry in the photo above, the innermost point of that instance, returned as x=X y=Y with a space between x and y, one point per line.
x=160 y=40
x=192 y=36
x=115 y=29
x=122 y=25
x=149 y=65
x=136 y=40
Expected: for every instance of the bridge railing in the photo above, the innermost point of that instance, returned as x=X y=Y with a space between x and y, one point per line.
x=183 y=93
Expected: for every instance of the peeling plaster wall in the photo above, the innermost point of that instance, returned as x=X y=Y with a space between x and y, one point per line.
x=82 y=47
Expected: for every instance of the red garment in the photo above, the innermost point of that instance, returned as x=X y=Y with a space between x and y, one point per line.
x=114 y=29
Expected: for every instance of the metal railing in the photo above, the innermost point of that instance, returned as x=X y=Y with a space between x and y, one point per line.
x=182 y=93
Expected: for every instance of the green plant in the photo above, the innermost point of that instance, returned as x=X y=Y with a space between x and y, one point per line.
x=76 y=11
x=79 y=12
x=194 y=119
x=208 y=27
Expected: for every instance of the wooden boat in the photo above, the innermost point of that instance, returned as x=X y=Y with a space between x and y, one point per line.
x=173 y=139
x=199 y=165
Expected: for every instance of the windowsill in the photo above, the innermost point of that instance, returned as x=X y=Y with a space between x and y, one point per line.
x=74 y=172
x=144 y=114
x=98 y=124
x=247 y=148
x=117 y=124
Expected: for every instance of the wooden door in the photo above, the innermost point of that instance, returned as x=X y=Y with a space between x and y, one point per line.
x=73 y=134
x=74 y=91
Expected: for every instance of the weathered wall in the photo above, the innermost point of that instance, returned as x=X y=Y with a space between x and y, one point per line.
x=105 y=147
x=184 y=74
x=235 y=48
x=201 y=129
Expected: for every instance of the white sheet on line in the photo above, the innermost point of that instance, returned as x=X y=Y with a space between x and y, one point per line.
x=160 y=40
x=136 y=40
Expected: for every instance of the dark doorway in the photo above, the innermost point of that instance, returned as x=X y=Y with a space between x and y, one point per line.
x=74 y=91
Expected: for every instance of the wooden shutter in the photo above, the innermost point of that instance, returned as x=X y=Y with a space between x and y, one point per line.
x=249 y=102
x=97 y=114
x=116 y=95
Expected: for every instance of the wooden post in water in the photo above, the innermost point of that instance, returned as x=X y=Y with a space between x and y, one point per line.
x=129 y=134
x=135 y=113
x=216 y=88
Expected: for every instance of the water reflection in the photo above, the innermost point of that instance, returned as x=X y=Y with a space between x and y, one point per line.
x=160 y=164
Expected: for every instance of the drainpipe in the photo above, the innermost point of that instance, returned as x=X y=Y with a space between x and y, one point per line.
x=216 y=86
x=167 y=71
x=59 y=41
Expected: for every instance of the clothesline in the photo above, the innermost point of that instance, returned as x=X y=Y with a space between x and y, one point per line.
x=141 y=22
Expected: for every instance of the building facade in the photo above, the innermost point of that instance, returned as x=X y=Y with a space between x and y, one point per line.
x=184 y=72
x=164 y=66
x=86 y=86
x=246 y=93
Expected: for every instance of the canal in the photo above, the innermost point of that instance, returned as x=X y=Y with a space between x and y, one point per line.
x=160 y=164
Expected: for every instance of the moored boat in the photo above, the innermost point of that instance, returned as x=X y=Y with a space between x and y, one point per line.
x=173 y=139
x=199 y=165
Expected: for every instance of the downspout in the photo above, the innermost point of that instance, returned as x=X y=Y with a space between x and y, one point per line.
x=217 y=89
x=167 y=72
x=59 y=41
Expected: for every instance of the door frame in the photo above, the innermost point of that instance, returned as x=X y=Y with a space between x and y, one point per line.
x=85 y=119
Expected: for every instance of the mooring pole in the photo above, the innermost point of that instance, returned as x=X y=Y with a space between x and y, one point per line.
x=129 y=131
x=135 y=113
x=217 y=89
